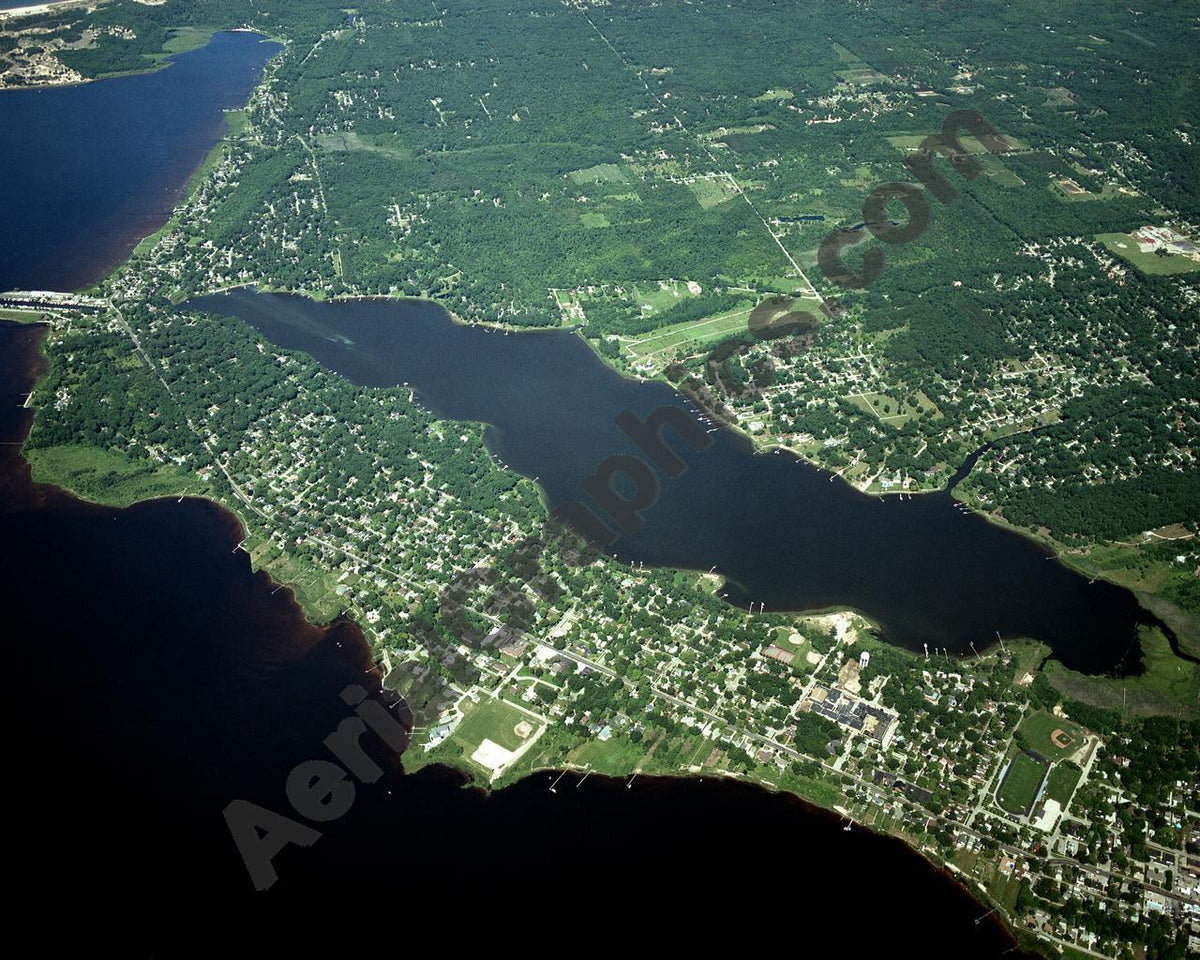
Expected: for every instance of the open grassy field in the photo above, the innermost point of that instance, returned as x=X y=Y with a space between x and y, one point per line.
x=1125 y=247
x=711 y=191
x=1063 y=779
x=321 y=593
x=860 y=75
x=891 y=409
x=659 y=297
x=184 y=39
x=1037 y=730
x=237 y=122
x=907 y=142
x=600 y=173
x=694 y=332
x=999 y=173
x=1068 y=191
x=20 y=316
x=617 y=756
x=352 y=142
x=698 y=333
x=1169 y=685
x=793 y=642
x=492 y=720
x=845 y=55
x=105 y=476
x=1021 y=782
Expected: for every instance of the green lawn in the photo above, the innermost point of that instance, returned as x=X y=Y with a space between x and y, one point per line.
x=617 y=756
x=660 y=297
x=1063 y=779
x=1021 y=782
x=314 y=587
x=1036 y=729
x=697 y=332
x=594 y=221
x=1125 y=247
x=237 y=122
x=600 y=173
x=492 y=720
x=891 y=409
x=20 y=316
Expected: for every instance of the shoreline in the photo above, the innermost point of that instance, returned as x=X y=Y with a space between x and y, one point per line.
x=830 y=816
x=38 y=363
x=128 y=241
x=932 y=862
x=1048 y=547
x=37 y=8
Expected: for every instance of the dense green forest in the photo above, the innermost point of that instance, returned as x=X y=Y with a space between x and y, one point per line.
x=541 y=163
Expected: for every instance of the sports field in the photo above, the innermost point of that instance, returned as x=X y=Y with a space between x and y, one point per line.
x=1051 y=736
x=1125 y=247
x=1020 y=786
x=493 y=720
x=1061 y=783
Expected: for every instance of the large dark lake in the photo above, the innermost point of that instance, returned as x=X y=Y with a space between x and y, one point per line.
x=784 y=533
x=87 y=171
x=152 y=677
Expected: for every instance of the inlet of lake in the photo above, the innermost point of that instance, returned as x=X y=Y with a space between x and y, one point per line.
x=784 y=534
x=88 y=170
x=153 y=678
